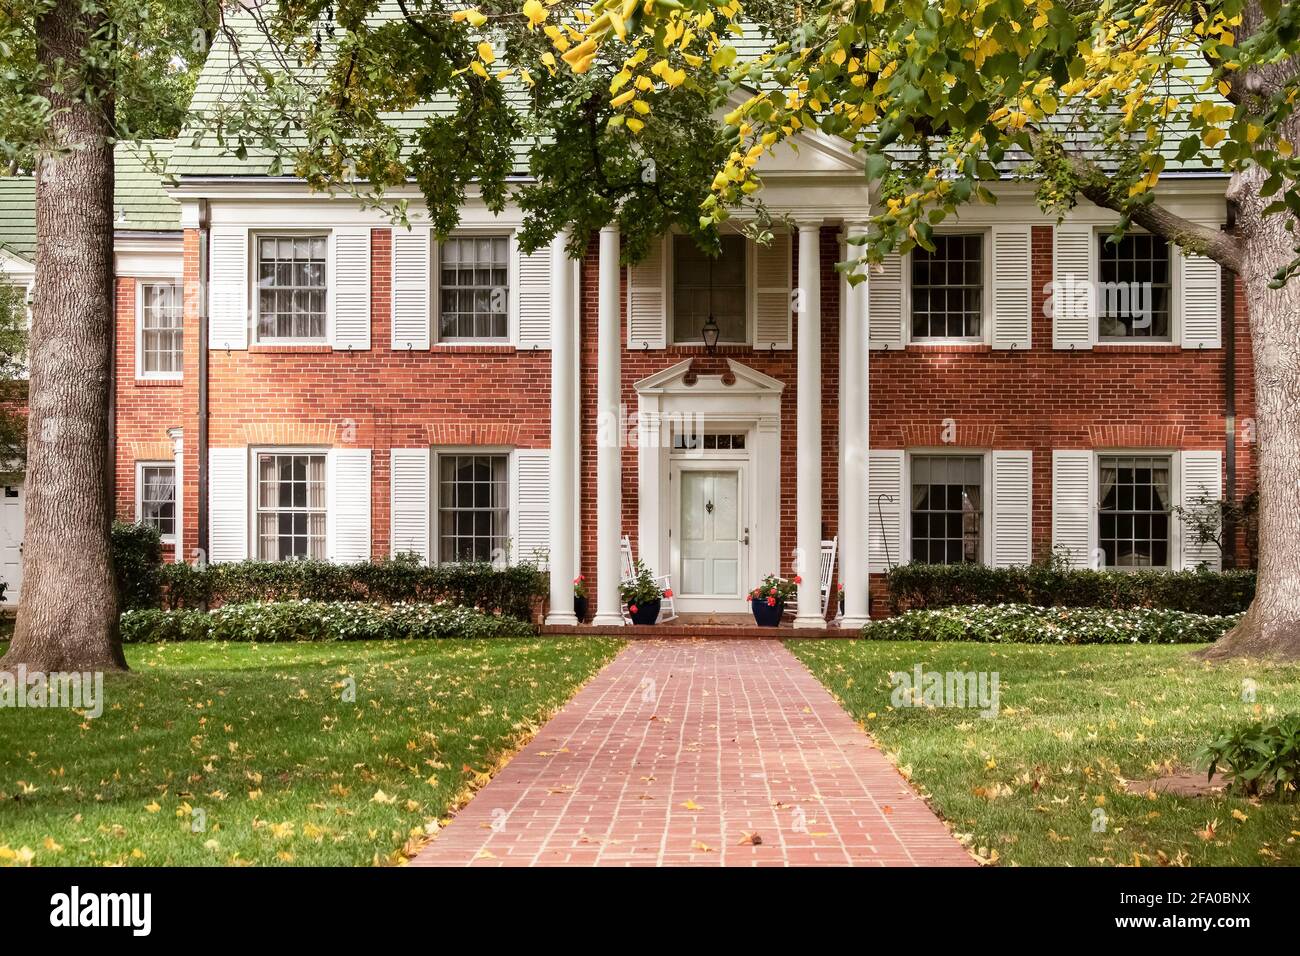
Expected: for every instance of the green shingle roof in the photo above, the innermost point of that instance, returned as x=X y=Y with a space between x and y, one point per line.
x=140 y=201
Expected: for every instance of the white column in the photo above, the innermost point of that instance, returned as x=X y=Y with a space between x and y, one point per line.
x=808 y=475
x=564 y=437
x=609 y=457
x=855 y=388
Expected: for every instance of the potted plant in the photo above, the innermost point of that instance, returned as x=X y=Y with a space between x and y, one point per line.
x=642 y=595
x=768 y=600
x=580 y=598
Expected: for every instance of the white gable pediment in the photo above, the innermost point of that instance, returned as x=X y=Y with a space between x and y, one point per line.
x=673 y=380
x=808 y=152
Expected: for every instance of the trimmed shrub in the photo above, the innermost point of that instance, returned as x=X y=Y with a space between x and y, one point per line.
x=137 y=562
x=312 y=621
x=919 y=586
x=513 y=591
x=1025 y=624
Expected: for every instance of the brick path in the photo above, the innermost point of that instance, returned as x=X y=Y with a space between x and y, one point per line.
x=675 y=752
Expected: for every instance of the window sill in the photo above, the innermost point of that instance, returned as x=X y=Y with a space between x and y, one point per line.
x=266 y=348
x=159 y=382
x=478 y=348
x=950 y=347
x=1154 y=348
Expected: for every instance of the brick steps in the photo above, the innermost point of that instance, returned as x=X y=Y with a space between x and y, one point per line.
x=710 y=632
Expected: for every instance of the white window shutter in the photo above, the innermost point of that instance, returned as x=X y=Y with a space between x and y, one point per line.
x=410 y=311
x=1074 y=511
x=227 y=504
x=228 y=287
x=1012 y=287
x=1200 y=484
x=885 y=498
x=531 y=489
x=1074 y=303
x=409 y=501
x=347 y=520
x=350 y=287
x=771 y=306
x=885 y=314
x=1201 y=302
x=1013 y=500
x=534 y=299
x=647 y=298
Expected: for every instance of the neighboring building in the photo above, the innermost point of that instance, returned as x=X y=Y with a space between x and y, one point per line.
x=363 y=390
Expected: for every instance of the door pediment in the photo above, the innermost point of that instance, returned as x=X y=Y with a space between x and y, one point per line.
x=673 y=380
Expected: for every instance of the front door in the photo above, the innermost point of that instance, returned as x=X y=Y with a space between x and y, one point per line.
x=712 y=533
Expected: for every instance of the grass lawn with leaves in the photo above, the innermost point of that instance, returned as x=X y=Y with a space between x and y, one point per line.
x=259 y=742
x=1075 y=724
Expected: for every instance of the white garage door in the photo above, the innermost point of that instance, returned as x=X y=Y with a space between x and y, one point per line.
x=11 y=541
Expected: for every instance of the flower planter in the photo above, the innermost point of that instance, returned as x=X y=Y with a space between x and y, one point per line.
x=646 y=613
x=580 y=609
x=767 y=615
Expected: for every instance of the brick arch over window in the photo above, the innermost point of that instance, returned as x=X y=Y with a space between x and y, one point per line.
x=1136 y=436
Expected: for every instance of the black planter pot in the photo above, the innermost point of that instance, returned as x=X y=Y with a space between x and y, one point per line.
x=767 y=615
x=646 y=613
x=580 y=608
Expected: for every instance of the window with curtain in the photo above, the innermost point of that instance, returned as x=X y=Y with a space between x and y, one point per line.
x=1134 y=293
x=161 y=312
x=290 y=507
x=692 y=299
x=948 y=288
x=474 y=288
x=1133 y=519
x=158 y=498
x=948 y=509
x=291 y=288
x=473 y=507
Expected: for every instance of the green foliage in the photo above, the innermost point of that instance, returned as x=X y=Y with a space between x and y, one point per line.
x=641 y=588
x=914 y=586
x=1025 y=624
x=774 y=590
x=512 y=591
x=282 y=621
x=137 y=562
x=1258 y=758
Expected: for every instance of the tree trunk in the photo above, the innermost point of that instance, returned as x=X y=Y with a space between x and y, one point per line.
x=67 y=615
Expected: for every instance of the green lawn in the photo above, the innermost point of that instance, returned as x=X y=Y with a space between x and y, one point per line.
x=1075 y=723
x=259 y=738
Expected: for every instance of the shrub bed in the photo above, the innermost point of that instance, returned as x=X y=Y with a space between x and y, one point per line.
x=317 y=621
x=919 y=586
x=513 y=591
x=1026 y=624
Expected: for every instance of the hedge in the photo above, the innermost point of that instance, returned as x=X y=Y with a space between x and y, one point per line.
x=919 y=586
x=1026 y=624
x=137 y=562
x=317 y=621
x=513 y=591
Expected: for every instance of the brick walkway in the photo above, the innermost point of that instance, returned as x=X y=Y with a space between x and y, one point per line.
x=678 y=750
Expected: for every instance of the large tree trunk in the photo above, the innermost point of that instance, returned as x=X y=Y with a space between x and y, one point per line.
x=67 y=616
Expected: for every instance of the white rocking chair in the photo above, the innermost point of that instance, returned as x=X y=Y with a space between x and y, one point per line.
x=627 y=563
x=826 y=570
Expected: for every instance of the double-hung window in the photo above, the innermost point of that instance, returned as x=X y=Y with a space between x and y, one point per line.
x=291 y=290
x=1134 y=512
x=704 y=285
x=156 y=497
x=161 y=310
x=473 y=507
x=290 y=506
x=947 y=509
x=1134 y=288
x=474 y=289
x=948 y=288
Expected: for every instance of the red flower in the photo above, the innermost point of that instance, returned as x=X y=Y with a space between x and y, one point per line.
x=773 y=591
x=798 y=579
x=631 y=608
x=668 y=592
x=771 y=602
x=839 y=587
x=579 y=579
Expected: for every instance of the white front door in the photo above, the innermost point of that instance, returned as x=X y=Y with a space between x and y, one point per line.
x=11 y=540
x=712 y=533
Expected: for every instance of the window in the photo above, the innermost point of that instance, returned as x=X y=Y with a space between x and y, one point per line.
x=473 y=507
x=948 y=509
x=1133 y=518
x=948 y=288
x=1134 y=292
x=161 y=312
x=693 y=440
x=156 y=498
x=704 y=286
x=291 y=288
x=290 y=506
x=474 y=289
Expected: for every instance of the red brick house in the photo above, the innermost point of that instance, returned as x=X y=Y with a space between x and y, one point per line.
x=344 y=389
